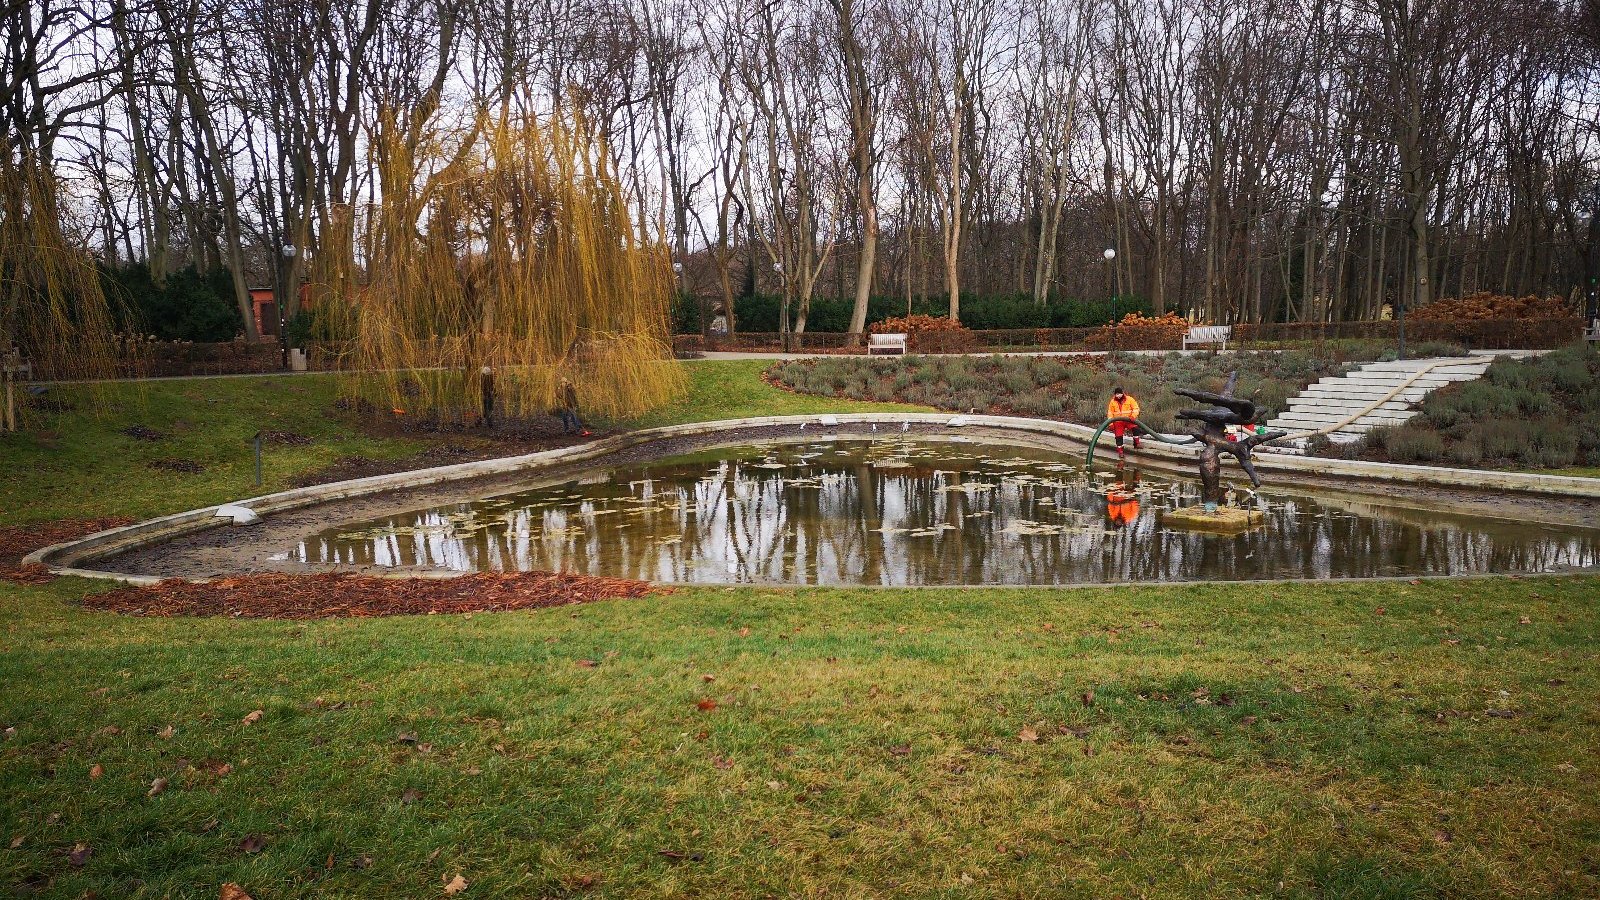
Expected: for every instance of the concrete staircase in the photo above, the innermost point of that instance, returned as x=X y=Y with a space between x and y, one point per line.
x=1332 y=400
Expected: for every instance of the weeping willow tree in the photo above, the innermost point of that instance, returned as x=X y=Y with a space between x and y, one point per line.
x=54 y=314
x=514 y=262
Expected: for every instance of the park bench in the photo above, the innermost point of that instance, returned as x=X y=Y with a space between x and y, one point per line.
x=1208 y=334
x=15 y=367
x=1592 y=333
x=886 y=343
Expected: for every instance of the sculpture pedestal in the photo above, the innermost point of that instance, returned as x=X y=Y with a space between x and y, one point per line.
x=1224 y=520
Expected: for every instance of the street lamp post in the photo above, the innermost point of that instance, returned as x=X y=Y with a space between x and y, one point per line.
x=289 y=253
x=1592 y=307
x=1111 y=254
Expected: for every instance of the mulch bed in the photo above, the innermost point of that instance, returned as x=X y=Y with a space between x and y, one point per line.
x=17 y=541
x=327 y=596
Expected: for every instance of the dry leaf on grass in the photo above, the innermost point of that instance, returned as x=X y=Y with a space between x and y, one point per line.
x=157 y=786
x=96 y=770
x=455 y=885
x=231 y=891
x=1028 y=735
x=706 y=705
x=253 y=717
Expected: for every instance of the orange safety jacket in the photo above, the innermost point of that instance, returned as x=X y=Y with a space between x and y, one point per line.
x=1128 y=408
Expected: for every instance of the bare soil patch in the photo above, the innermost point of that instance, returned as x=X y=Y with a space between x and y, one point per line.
x=329 y=595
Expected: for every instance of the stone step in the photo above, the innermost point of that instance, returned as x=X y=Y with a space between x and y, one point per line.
x=1323 y=420
x=1331 y=401
x=1345 y=407
x=1403 y=398
x=1464 y=366
x=1362 y=387
x=1402 y=378
x=1328 y=421
x=1354 y=428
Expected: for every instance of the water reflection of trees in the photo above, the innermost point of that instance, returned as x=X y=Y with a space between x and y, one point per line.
x=936 y=518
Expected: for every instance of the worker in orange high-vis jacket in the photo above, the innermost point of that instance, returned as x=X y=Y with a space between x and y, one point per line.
x=1123 y=406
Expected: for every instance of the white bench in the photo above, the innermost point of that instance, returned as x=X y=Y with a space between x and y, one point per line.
x=14 y=365
x=886 y=343
x=1592 y=333
x=1208 y=334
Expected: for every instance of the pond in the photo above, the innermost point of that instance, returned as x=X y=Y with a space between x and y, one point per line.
x=924 y=512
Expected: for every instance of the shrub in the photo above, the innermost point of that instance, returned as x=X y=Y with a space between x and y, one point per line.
x=1017 y=382
x=1553 y=447
x=1037 y=403
x=1437 y=348
x=1466 y=453
x=928 y=334
x=1414 y=445
x=1379 y=438
x=189 y=306
x=1139 y=332
x=1485 y=305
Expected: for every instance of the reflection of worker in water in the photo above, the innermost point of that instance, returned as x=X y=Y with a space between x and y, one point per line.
x=1122 y=506
x=1123 y=406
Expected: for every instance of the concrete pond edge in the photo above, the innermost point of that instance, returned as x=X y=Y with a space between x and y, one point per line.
x=73 y=557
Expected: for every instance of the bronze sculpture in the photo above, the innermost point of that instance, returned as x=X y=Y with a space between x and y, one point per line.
x=1212 y=434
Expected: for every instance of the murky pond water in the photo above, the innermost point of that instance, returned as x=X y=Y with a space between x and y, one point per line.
x=907 y=512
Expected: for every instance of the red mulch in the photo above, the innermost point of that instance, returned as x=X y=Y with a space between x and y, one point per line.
x=17 y=541
x=324 y=596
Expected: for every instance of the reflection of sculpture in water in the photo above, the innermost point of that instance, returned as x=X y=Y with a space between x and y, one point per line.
x=1212 y=433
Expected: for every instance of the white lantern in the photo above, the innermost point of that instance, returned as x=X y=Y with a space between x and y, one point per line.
x=289 y=251
x=1110 y=254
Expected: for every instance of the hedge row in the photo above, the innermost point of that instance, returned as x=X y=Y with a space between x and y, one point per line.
x=832 y=315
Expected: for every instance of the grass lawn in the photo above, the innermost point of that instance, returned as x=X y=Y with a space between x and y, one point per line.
x=1339 y=740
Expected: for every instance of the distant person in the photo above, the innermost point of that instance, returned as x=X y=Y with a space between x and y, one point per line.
x=1123 y=406
x=570 y=423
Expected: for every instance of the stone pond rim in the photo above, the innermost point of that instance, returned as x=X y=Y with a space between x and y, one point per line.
x=76 y=557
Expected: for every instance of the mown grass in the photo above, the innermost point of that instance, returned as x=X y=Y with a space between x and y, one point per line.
x=1340 y=740
x=1240 y=741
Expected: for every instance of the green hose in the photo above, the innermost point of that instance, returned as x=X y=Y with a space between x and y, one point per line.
x=1141 y=431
